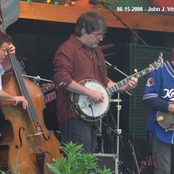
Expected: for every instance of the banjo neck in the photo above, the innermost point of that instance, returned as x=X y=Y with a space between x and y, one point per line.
x=140 y=74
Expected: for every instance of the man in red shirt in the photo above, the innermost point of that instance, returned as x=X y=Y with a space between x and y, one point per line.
x=77 y=59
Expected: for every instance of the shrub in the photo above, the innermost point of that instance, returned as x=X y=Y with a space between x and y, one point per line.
x=76 y=162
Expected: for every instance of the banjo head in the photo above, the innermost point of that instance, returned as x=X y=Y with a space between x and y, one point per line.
x=87 y=109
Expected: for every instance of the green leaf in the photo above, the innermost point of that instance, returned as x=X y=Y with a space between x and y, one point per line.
x=76 y=162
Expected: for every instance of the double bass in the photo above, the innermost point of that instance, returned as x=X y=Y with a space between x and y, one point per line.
x=30 y=145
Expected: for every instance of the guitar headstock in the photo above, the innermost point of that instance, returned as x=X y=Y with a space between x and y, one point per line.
x=159 y=63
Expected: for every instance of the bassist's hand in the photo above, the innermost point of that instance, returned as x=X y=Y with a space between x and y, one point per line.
x=22 y=100
x=12 y=49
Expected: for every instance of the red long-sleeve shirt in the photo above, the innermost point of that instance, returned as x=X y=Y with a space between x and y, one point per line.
x=75 y=61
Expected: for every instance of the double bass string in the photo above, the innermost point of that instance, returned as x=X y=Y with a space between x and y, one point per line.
x=31 y=110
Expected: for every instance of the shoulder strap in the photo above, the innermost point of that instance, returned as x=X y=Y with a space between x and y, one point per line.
x=98 y=62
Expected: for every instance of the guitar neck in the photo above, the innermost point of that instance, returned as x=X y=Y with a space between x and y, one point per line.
x=124 y=82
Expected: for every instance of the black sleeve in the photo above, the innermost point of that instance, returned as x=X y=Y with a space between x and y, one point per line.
x=157 y=104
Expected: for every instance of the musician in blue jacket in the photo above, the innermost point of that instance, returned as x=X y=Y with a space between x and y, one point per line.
x=159 y=97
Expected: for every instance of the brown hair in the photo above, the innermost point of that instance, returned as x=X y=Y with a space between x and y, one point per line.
x=4 y=38
x=90 y=21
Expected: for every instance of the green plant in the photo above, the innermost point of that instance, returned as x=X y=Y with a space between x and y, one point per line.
x=76 y=162
x=2 y=172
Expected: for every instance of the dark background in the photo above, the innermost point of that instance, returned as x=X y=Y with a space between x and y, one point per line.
x=38 y=41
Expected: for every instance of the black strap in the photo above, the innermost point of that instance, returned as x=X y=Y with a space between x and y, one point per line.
x=98 y=62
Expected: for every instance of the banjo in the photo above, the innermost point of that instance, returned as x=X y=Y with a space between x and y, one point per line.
x=165 y=120
x=91 y=111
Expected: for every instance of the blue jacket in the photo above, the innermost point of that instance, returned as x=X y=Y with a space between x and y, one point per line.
x=158 y=93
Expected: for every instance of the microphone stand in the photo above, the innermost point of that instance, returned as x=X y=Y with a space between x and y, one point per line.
x=37 y=79
x=119 y=18
x=22 y=64
x=119 y=72
x=135 y=159
x=135 y=41
x=118 y=130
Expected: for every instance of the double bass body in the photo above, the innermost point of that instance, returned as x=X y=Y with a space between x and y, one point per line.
x=31 y=145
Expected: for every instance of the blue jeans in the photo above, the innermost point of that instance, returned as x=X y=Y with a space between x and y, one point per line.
x=80 y=132
x=163 y=157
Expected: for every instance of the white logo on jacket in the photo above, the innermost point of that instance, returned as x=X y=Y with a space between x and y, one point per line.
x=169 y=94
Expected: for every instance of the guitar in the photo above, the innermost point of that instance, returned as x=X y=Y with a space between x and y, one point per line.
x=90 y=111
x=165 y=120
